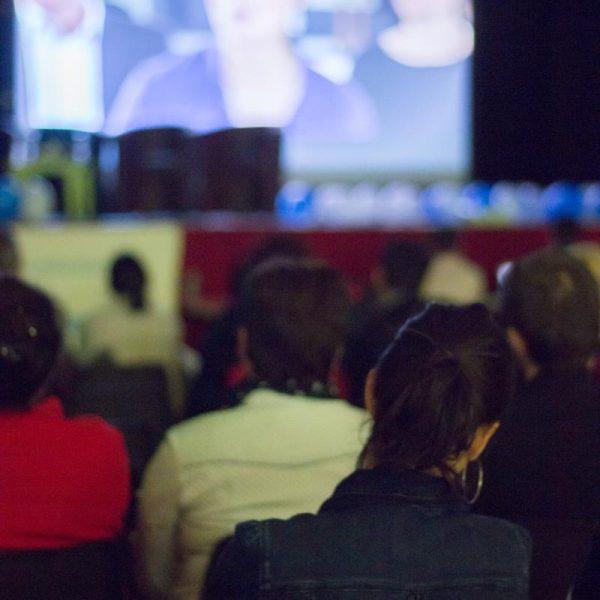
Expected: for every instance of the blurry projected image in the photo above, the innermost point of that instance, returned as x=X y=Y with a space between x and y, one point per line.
x=369 y=86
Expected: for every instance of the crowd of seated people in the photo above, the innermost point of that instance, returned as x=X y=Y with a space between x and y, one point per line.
x=453 y=407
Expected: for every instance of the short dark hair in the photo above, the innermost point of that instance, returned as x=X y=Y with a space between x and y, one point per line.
x=404 y=265
x=295 y=312
x=449 y=370
x=128 y=279
x=30 y=340
x=277 y=246
x=444 y=239
x=565 y=231
x=551 y=299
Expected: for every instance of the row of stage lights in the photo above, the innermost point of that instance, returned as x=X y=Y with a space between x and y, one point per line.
x=402 y=204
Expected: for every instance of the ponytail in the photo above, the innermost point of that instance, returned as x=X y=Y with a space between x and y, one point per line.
x=449 y=371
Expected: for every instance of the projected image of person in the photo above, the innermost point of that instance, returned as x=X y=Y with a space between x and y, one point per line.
x=431 y=33
x=74 y=55
x=418 y=71
x=249 y=77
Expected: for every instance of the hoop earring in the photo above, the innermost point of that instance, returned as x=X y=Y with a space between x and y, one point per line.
x=464 y=477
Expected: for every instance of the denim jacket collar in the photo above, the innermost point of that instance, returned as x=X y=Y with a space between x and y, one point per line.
x=368 y=486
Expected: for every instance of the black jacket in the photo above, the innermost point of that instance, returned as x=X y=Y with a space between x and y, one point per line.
x=382 y=535
x=542 y=470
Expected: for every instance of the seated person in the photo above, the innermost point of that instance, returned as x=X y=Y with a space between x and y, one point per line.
x=569 y=235
x=451 y=276
x=543 y=467
x=128 y=332
x=63 y=482
x=400 y=526
x=222 y=379
x=279 y=452
x=392 y=299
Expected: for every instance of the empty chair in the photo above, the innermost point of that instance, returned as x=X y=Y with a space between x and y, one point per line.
x=133 y=399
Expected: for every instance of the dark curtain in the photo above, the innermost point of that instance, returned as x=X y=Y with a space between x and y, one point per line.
x=537 y=90
x=6 y=63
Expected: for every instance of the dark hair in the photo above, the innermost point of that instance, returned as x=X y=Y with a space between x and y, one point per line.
x=444 y=239
x=449 y=370
x=551 y=299
x=295 y=312
x=565 y=231
x=30 y=339
x=128 y=279
x=404 y=265
x=279 y=246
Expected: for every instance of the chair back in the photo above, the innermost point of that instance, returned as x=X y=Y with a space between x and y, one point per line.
x=133 y=399
x=93 y=571
x=560 y=550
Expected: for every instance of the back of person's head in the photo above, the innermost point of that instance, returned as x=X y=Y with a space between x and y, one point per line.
x=444 y=239
x=30 y=340
x=551 y=300
x=128 y=279
x=404 y=265
x=9 y=258
x=279 y=246
x=295 y=315
x=449 y=371
x=565 y=231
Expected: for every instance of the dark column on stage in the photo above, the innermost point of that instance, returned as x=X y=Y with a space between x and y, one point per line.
x=537 y=90
x=6 y=62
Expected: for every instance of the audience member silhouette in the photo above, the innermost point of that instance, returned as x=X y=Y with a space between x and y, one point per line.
x=128 y=331
x=543 y=468
x=451 y=276
x=63 y=482
x=399 y=527
x=223 y=381
x=279 y=452
x=394 y=298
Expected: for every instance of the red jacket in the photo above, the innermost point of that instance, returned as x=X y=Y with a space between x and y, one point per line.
x=62 y=481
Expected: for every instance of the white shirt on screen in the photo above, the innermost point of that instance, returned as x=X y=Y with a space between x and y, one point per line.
x=61 y=74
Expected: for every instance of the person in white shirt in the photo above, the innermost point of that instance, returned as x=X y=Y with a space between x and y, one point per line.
x=129 y=332
x=451 y=276
x=61 y=58
x=278 y=453
x=73 y=58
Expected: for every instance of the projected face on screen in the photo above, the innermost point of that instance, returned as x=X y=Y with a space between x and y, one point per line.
x=249 y=19
x=64 y=15
x=250 y=76
x=346 y=87
x=431 y=33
